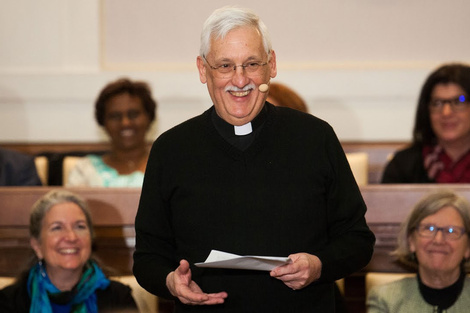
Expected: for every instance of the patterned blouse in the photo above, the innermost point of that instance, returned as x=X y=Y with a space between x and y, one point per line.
x=91 y=171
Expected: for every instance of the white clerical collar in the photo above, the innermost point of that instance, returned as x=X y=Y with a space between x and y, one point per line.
x=243 y=130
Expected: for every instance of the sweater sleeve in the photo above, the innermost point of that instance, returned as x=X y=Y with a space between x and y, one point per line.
x=350 y=241
x=154 y=256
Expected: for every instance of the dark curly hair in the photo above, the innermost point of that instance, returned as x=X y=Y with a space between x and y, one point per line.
x=448 y=73
x=124 y=85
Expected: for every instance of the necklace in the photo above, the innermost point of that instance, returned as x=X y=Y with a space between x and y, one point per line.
x=126 y=164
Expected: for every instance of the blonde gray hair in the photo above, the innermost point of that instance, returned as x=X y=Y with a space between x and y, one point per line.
x=50 y=199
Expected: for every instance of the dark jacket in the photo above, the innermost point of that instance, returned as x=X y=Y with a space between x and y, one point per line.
x=116 y=298
x=17 y=169
x=406 y=167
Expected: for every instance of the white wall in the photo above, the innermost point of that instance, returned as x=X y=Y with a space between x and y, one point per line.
x=359 y=64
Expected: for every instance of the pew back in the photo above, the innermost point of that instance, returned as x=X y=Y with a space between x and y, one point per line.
x=378 y=154
x=113 y=211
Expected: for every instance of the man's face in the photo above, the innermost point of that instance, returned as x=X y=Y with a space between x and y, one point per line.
x=235 y=95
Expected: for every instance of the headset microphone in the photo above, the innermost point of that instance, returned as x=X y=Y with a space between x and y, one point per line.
x=263 y=88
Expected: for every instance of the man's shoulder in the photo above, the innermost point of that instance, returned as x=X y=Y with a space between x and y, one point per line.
x=196 y=121
x=302 y=119
x=411 y=149
x=187 y=127
x=411 y=152
x=13 y=156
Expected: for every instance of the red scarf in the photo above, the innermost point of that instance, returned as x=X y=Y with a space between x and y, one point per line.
x=441 y=169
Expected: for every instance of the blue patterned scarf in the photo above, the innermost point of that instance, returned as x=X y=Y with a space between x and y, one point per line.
x=84 y=300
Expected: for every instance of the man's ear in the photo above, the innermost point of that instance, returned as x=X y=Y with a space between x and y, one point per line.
x=202 y=69
x=272 y=64
x=36 y=247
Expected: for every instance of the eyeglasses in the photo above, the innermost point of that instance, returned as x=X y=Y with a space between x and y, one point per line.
x=456 y=104
x=449 y=232
x=227 y=70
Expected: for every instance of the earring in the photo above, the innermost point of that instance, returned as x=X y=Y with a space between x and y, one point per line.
x=41 y=268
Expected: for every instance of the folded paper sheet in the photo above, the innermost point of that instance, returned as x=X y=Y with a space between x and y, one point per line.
x=220 y=259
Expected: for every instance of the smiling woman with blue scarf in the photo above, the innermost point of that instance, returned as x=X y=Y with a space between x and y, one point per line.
x=64 y=278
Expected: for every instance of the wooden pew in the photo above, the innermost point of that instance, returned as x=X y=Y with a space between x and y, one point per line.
x=378 y=154
x=113 y=212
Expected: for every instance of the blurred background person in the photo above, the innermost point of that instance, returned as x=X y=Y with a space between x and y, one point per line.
x=125 y=109
x=434 y=241
x=63 y=277
x=440 y=151
x=283 y=96
x=17 y=169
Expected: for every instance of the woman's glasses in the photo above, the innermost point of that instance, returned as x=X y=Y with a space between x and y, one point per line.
x=456 y=104
x=449 y=232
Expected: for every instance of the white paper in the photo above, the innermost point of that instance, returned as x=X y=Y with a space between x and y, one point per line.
x=220 y=259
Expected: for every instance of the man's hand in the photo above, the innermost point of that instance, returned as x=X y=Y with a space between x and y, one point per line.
x=304 y=269
x=181 y=285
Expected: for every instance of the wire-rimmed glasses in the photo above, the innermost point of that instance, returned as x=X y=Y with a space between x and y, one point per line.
x=227 y=70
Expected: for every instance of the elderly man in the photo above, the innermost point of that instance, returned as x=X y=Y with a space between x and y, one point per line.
x=248 y=178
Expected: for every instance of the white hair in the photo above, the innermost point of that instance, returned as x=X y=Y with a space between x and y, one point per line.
x=227 y=18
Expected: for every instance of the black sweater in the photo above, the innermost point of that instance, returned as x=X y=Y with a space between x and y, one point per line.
x=290 y=191
x=115 y=298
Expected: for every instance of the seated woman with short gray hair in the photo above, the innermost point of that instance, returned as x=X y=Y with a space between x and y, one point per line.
x=434 y=241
